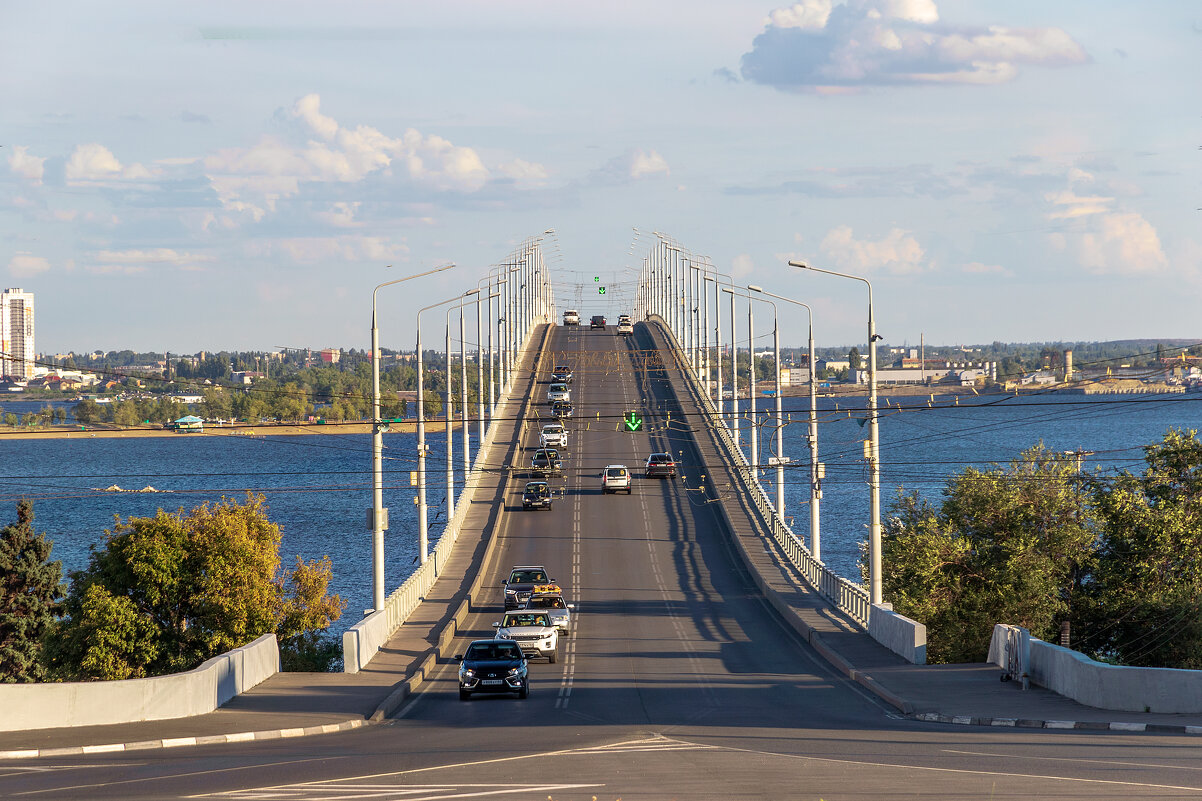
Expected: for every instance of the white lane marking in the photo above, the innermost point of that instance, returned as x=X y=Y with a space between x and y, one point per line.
x=420 y=792
x=1073 y=759
x=168 y=776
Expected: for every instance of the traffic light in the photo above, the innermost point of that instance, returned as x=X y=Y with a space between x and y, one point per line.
x=633 y=421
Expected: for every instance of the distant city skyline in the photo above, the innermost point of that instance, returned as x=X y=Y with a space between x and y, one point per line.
x=237 y=176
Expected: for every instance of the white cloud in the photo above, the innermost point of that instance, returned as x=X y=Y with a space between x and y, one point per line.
x=814 y=45
x=647 y=163
x=525 y=174
x=333 y=249
x=341 y=215
x=898 y=252
x=95 y=164
x=24 y=264
x=741 y=266
x=138 y=261
x=251 y=180
x=979 y=268
x=1071 y=205
x=1124 y=243
x=26 y=166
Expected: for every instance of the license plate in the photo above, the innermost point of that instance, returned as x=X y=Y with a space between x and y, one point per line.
x=492 y=682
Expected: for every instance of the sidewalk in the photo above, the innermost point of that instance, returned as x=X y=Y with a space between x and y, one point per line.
x=970 y=694
x=302 y=704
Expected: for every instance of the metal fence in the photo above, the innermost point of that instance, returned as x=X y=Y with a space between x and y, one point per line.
x=848 y=596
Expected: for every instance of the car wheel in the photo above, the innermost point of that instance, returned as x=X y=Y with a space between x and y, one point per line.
x=553 y=657
x=628 y=490
x=464 y=695
x=525 y=691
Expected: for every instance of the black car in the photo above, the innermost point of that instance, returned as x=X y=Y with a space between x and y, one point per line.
x=661 y=465
x=493 y=666
x=562 y=408
x=561 y=374
x=537 y=495
x=545 y=461
x=521 y=583
x=598 y=321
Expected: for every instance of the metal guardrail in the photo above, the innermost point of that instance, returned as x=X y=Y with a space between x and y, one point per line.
x=363 y=640
x=848 y=596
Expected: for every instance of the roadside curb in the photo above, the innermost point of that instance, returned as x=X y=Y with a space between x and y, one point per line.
x=1077 y=725
x=178 y=742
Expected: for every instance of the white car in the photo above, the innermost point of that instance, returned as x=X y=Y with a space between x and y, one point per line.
x=571 y=317
x=553 y=435
x=615 y=478
x=558 y=392
x=532 y=631
x=625 y=328
x=555 y=606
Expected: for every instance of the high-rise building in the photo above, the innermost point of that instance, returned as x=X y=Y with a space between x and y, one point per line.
x=16 y=333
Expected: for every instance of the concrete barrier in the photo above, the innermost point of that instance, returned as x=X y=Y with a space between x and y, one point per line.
x=199 y=691
x=905 y=637
x=1097 y=684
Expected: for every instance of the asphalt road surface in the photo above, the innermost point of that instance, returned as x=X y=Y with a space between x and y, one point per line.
x=678 y=682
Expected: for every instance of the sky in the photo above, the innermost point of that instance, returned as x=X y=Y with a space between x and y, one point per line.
x=221 y=175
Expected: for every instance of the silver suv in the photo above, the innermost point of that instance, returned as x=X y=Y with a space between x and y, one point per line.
x=532 y=631
x=615 y=478
x=553 y=435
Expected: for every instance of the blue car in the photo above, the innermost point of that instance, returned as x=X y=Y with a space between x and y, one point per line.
x=493 y=666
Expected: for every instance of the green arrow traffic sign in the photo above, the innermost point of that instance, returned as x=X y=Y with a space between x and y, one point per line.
x=600 y=290
x=596 y=279
x=633 y=421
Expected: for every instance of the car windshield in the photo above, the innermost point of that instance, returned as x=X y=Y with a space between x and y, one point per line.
x=526 y=619
x=527 y=577
x=546 y=602
x=538 y=489
x=616 y=472
x=493 y=651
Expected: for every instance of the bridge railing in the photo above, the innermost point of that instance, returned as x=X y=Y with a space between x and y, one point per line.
x=363 y=640
x=848 y=596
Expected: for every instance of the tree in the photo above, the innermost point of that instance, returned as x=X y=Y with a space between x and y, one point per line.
x=30 y=591
x=1012 y=544
x=170 y=591
x=853 y=358
x=1145 y=602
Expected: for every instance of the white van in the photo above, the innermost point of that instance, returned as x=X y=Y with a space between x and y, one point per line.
x=571 y=317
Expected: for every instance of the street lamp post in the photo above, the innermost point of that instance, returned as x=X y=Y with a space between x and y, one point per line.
x=815 y=470
x=780 y=419
x=874 y=446
x=378 y=524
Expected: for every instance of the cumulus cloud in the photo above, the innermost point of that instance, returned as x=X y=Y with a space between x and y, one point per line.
x=633 y=165
x=25 y=166
x=253 y=179
x=897 y=252
x=93 y=163
x=1123 y=243
x=333 y=249
x=979 y=268
x=741 y=266
x=131 y=262
x=24 y=264
x=816 y=45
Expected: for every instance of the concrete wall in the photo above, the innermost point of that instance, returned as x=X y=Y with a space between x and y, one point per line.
x=96 y=703
x=1096 y=684
x=905 y=637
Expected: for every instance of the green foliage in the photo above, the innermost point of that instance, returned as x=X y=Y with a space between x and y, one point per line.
x=1145 y=602
x=170 y=591
x=853 y=359
x=30 y=590
x=1012 y=544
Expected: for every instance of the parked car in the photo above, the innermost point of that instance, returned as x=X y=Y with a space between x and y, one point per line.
x=545 y=462
x=598 y=321
x=537 y=495
x=661 y=465
x=553 y=434
x=571 y=317
x=493 y=666
x=615 y=478
x=532 y=631
x=521 y=583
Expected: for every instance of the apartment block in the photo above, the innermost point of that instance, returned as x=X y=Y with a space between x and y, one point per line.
x=16 y=333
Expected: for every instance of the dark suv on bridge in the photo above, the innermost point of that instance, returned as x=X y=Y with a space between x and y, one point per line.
x=598 y=321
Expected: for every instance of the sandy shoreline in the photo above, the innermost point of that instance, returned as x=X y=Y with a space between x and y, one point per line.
x=254 y=431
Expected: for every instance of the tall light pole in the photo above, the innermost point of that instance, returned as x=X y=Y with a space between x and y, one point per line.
x=422 y=514
x=874 y=444
x=815 y=470
x=378 y=524
x=780 y=419
x=753 y=423
x=450 y=410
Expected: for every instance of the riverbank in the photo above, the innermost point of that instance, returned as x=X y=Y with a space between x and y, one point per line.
x=254 y=431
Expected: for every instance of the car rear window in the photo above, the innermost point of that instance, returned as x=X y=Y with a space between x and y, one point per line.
x=616 y=472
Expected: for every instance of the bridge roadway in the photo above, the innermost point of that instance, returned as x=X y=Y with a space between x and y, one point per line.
x=679 y=681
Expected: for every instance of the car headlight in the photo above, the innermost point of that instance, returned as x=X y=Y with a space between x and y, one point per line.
x=503 y=635
x=466 y=672
x=515 y=671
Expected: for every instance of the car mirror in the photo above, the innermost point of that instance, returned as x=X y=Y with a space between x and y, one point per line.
x=496 y=625
x=572 y=607
x=458 y=657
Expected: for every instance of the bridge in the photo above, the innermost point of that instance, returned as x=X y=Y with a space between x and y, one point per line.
x=713 y=656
